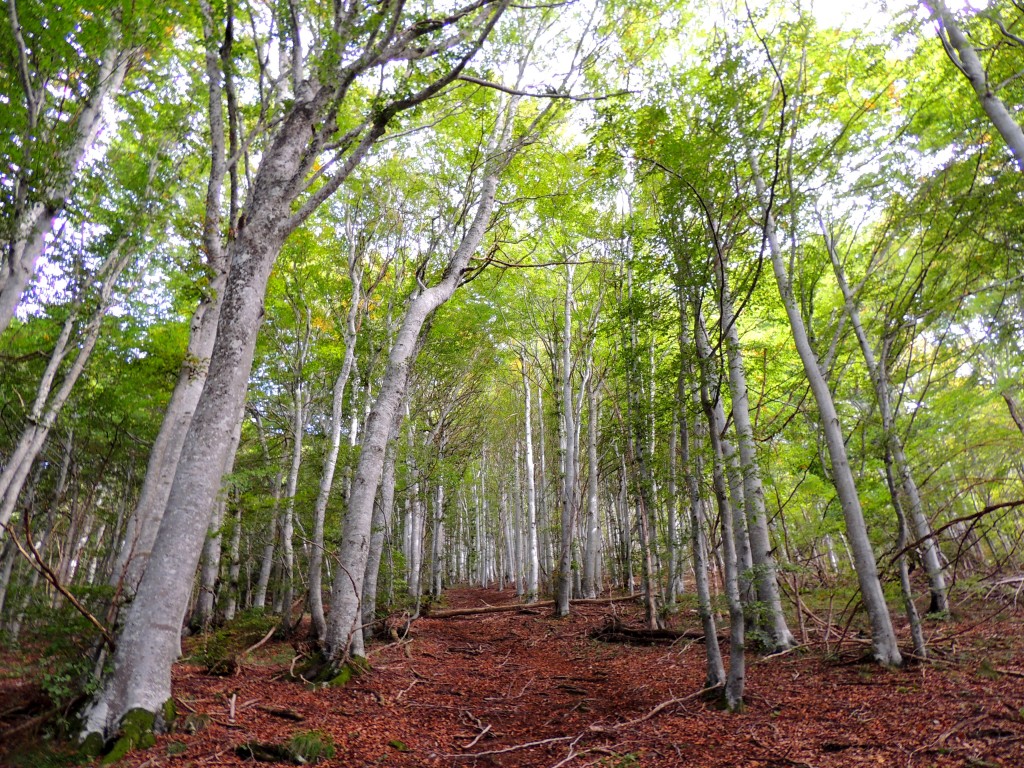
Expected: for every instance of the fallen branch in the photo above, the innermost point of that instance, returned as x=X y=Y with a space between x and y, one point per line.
x=575 y=738
x=514 y=748
x=447 y=614
x=664 y=705
x=258 y=645
x=282 y=712
x=615 y=631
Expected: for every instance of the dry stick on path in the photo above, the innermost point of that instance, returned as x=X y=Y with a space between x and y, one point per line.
x=451 y=612
x=575 y=738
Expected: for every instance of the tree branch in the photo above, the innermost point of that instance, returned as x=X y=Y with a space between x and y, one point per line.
x=551 y=94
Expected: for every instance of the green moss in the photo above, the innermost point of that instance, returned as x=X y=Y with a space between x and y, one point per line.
x=194 y=722
x=168 y=714
x=136 y=733
x=92 y=747
x=310 y=747
x=353 y=668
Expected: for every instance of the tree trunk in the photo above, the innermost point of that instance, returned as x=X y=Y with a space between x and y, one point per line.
x=693 y=470
x=966 y=59
x=533 y=555
x=316 y=601
x=563 y=590
x=382 y=515
x=149 y=642
x=34 y=222
x=49 y=403
x=913 y=618
x=878 y=373
x=883 y=637
x=234 y=567
x=591 y=585
x=710 y=398
x=210 y=571
x=344 y=638
x=753 y=492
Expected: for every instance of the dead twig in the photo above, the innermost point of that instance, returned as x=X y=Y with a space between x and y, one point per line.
x=514 y=748
x=660 y=707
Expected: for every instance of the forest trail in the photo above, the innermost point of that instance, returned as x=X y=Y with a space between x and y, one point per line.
x=477 y=690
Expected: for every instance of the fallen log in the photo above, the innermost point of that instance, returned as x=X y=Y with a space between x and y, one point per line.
x=615 y=631
x=450 y=612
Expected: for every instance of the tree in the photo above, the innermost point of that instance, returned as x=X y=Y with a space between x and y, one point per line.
x=289 y=185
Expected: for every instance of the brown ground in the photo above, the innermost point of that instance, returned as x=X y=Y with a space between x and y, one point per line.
x=525 y=689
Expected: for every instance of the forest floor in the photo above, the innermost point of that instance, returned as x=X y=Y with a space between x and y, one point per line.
x=522 y=688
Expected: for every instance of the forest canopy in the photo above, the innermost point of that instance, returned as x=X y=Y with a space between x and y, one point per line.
x=312 y=310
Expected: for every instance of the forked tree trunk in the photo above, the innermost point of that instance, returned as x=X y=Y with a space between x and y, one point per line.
x=962 y=53
x=693 y=470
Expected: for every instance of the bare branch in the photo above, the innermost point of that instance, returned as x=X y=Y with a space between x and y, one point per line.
x=551 y=94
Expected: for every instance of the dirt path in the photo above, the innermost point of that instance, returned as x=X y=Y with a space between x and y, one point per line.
x=476 y=690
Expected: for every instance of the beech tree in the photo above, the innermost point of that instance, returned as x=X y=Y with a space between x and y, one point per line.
x=286 y=189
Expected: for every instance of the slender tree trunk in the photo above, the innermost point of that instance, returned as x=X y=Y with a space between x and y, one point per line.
x=343 y=636
x=591 y=584
x=437 y=549
x=883 y=637
x=693 y=471
x=710 y=397
x=966 y=59
x=563 y=592
x=382 y=516
x=34 y=222
x=414 y=556
x=49 y=402
x=234 y=567
x=533 y=556
x=913 y=618
x=753 y=492
x=259 y=599
x=894 y=446
x=288 y=514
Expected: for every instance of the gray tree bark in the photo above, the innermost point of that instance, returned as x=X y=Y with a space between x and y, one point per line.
x=753 y=492
x=533 y=554
x=883 y=637
x=563 y=589
x=894 y=445
x=316 y=602
x=344 y=635
x=711 y=398
x=591 y=585
x=33 y=220
x=693 y=470
x=964 y=56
